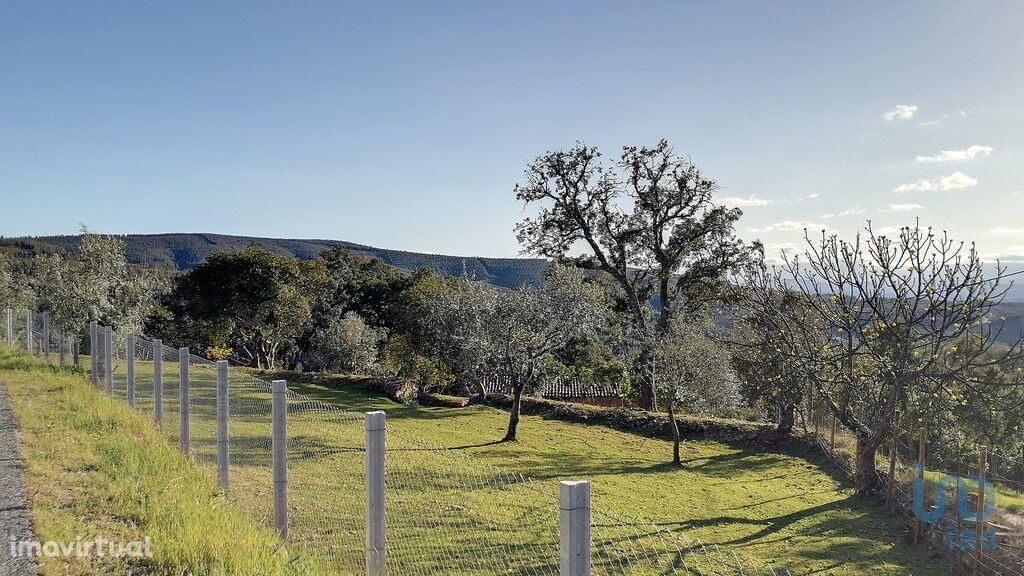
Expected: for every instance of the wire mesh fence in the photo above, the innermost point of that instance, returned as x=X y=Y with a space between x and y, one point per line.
x=444 y=512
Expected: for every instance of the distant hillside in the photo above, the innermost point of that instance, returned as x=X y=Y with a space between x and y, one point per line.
x=184 y=251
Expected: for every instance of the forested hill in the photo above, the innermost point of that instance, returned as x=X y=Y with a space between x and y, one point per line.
x=183 y=251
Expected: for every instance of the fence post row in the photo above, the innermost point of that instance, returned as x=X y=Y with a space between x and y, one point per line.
x=108 y=358
x=185 y=438
x=129 y=357
x=93 y=350
x=158 y=382
x=279 y=416
x=222 y=423
x=574 y=528
x=28 y=332
x=46 y=336
x=376 y=533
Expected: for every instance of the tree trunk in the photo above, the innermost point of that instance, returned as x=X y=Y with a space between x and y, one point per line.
x=787 y=419
x=675 y=432
x=475 y=389
x=646 y=369
x=866 y=477
x=513 y=417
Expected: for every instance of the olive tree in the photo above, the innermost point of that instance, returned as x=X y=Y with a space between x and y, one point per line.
x=648 y=221
x=886 y=317
x=95 y=282
x=525 y=327
x=692 y=372
x=347 y=343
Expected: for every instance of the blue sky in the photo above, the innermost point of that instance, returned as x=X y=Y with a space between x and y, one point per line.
x=406 y=125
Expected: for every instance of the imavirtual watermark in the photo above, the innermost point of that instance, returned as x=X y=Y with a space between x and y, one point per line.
x=958 y=536
x=81 y=548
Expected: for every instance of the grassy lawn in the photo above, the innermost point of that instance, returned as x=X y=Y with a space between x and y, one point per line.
x=94 y=468
x=464 y=506
x=777 y=507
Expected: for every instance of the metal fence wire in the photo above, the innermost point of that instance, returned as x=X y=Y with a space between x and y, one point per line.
x=444 y=512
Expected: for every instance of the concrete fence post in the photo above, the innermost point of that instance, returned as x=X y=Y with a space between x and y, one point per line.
x=62 y=347
x=94 y=353
x=376 y=533
x=10 y=327
x=574 y=528
x=108 y=358
x=29 y=336
x=46 y=336
x=222 y=423
x=979 y=527
x=185 y=438
x=158 y=382
x=75 y=356
x=129 y=358
x=279 y=415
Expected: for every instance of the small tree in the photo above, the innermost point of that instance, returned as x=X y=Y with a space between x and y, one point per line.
x=648 y=221
x=692 y=372
x=452 y=325
x=14 y=292
x=770 y=375
x=347 y=344
x=96 y=283
x=526 y=326
x=886 y=318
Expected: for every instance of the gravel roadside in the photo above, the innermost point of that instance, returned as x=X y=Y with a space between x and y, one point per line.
x=15 y=520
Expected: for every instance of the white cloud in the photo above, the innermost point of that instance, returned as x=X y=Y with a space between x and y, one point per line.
x=813 y=195
x=889 y=231
x=736 y=201
x=1007 y=231
x=903 y=208
x=930 y=123
x=958 y=155
x=900 y=112
x=954 y=181
x=791 y=226
x=856 y=210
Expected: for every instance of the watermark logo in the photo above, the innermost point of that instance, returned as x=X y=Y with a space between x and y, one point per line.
x=81 y=547
x=963 y=538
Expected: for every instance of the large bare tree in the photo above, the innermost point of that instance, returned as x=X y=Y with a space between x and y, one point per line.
x=888 y=317
x=648 y=220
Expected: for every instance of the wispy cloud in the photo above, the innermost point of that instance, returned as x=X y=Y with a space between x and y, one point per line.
x=900 y=112
x=969 y=153
x=903 y=208
x=790 y=226
x=930 y=123
x=888 y=231
x=1007 y=231
x=738 y=202
x=954 y=181
x=854 y=211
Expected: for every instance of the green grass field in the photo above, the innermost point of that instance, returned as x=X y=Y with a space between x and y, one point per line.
x=465 y=508
x=95 y=469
